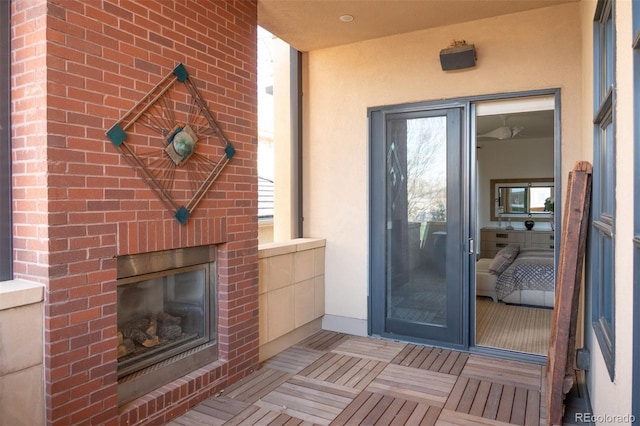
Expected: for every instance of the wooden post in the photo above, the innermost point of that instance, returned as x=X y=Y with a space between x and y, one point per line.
x=560 y=361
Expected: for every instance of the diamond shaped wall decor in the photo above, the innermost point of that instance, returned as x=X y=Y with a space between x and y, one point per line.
x=173 y=141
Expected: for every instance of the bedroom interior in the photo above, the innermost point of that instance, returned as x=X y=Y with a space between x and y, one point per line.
x=515 y=267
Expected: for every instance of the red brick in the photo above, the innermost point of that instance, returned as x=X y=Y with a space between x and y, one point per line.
x=88 y=412
x=102 y=60
x=84 y=316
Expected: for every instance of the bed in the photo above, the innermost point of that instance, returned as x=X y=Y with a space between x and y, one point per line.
x=518 y=276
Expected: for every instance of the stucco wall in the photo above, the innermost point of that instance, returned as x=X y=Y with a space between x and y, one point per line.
x=534 y=50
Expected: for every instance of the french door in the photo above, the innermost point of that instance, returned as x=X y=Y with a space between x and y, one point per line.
x=419 y=241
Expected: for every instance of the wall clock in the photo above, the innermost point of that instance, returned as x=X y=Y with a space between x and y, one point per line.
x=173 y=141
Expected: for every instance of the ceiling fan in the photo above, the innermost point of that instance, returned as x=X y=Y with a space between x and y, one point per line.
x=503 y=132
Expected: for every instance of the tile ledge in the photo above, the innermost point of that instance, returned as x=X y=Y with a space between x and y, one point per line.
x=15 y=293
x=290 y=246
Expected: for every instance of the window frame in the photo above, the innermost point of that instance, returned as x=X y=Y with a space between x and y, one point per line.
x=602 y=243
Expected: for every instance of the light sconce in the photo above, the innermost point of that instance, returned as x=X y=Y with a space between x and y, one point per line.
x=459 y=55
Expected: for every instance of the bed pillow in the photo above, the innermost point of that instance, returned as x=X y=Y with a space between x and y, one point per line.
x=504 y=258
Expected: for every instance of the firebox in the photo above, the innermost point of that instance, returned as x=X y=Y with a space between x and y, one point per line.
x=166 y=317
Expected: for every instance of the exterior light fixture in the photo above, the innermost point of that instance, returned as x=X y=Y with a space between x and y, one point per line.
x=346 y=18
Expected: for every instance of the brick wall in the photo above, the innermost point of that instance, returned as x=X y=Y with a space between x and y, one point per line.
x=77 y=66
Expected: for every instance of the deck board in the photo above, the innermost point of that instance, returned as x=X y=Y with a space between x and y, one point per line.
x=293 y=359
x=333 y=378
x=519 y=406
x=481 y=399
x=254 y=415
x=532 y=415
x=376 y=349
x=493 y=402
x=378 y=411
x=323 y=341
x=505 y=372
x=432 y=359
x=506 y=403
x=311 y=400
x=454 y=418
x=257 y=385
x=421 y=386
x=464 y=406
x=363 y=374
x=391 y=411
x=365 y=409
x=195 y=418
x=223 y=408
x=456 y=393
x=352 y=408
x=403 y=415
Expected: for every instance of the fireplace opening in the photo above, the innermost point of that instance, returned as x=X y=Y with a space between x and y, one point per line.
x=166 y=317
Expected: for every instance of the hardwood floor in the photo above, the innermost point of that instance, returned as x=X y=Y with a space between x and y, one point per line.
x=337 y=379
x=512 y=327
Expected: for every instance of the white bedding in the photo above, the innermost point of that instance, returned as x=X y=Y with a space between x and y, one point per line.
x=529 y=280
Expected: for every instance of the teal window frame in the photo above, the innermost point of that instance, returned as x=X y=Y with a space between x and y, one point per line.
x=602 y=241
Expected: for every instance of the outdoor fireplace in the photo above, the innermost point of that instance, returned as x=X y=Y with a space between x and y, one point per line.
x=166 y=317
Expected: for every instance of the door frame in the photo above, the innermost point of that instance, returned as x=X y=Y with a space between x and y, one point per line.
x=377 y=226
x=558 y=192
x=469 y=210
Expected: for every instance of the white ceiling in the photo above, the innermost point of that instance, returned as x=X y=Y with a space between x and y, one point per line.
x=315 y=24
x=534 y=125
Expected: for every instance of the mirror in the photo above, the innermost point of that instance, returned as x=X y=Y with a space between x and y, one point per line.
x=520 y=198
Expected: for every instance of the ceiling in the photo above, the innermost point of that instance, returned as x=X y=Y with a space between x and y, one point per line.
x=315 y=24
x=531 y=125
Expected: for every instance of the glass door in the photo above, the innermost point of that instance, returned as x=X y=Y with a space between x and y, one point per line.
x=418 y=247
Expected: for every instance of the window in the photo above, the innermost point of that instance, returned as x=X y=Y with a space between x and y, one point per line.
x=602 y=251
x=6 y=272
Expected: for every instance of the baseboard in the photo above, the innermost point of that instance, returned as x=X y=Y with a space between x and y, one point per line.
x=347 y=325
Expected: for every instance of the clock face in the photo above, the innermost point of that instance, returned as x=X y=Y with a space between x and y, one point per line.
x=173 y=141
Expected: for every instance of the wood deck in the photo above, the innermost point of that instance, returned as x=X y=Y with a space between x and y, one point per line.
x=336 y=379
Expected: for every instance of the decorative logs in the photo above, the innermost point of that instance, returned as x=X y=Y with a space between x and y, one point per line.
x=148 y=332
x=126 y=347
x=170 y=332
x=153 y=324
x=134 y=334
x=151 y=342
x=167 y=319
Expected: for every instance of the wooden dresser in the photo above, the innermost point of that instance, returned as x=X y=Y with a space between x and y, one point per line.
x=493 y=239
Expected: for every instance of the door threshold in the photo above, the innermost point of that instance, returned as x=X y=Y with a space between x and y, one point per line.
x=508 y=355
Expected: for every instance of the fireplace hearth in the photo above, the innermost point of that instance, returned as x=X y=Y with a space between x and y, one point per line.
x=166 y=317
